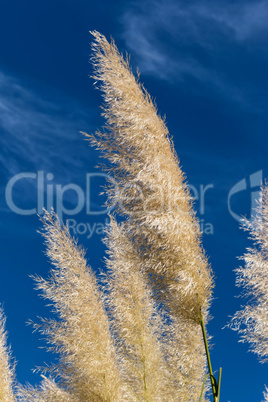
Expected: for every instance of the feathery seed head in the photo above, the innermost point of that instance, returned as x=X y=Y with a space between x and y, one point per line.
x=150 y=189
x=6 y=367
x=81 y=334
x=251 y=322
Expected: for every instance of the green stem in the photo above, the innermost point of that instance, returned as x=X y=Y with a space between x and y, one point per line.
x=105 y=387
x=219 y=382
x=215 y=387
x=202 y=389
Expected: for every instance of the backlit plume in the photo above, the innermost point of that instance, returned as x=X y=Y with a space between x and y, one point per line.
x=6 y=367
x=252 y=321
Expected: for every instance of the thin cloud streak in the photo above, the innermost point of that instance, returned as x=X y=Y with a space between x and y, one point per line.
x=246 y=21
x=37 y=133
x=202 y=26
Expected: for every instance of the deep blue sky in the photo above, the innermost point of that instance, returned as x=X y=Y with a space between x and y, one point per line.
x=205 y=62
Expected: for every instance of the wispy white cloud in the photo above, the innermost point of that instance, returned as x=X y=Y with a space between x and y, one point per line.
x=41 y=134
x=38 y=133
x=176 y=39
x=245 y=20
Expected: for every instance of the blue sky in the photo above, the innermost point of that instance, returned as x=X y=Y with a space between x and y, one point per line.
x=205 y=63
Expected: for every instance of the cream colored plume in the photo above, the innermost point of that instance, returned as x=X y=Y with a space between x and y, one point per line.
x=6 y=367
x=88 y=364
x=48 y=391
x=137 y=323
x=161 y=357
x=150 y=190
x=251 y=321
x=265 y=394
